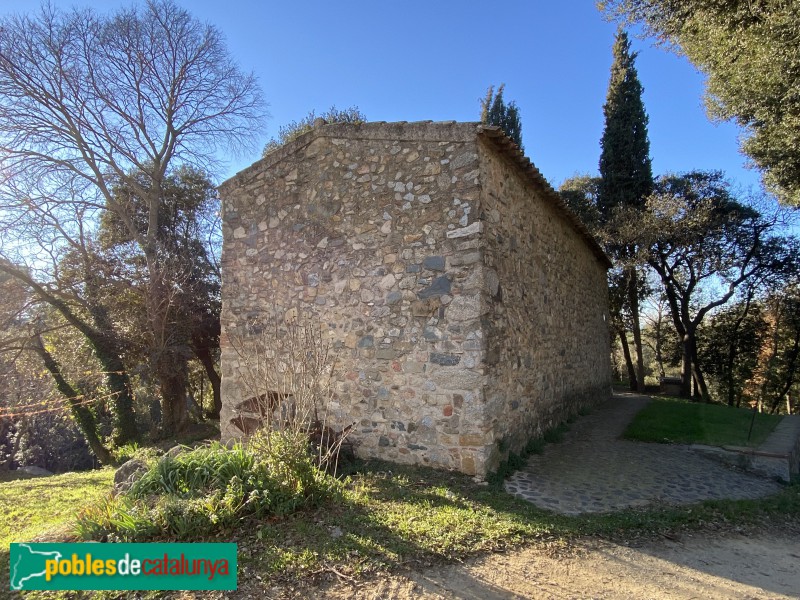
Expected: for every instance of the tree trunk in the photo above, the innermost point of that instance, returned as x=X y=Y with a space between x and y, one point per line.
x=124 y=417
x=633 y=303
x=106 y=345
x=697 y=373
x=615 y=370
x=626 y=352
x=203 y=354
x=80 y=411
x=659 y=349
x=172 y=385
x=732 y=350
x=169 y=352
x=686 y=368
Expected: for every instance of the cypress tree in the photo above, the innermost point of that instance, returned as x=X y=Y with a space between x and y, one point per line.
x=625 y=168
x=626 y=174
x=494 y=111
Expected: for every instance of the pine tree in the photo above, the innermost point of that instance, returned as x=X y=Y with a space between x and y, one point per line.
x=494 y=111
x=626 y=174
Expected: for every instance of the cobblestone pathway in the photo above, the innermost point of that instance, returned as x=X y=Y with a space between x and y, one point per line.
x=592 y=470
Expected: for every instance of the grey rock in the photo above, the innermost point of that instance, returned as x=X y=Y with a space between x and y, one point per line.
x=444 y=359
x=34 y=470
x=463 y=159
x=456 y=379
x=175 y=451
x=434 y=263
x=438 y=287
x=432 y=334
x=128 y=474
x=464 y=308
x=469 y=258
x=476 y=227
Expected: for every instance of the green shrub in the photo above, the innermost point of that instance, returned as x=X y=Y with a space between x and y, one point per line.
x=122 y=454
x=535 y=445
x=556 y=434
x=116 y=518
x=200 y=491
x=295 y=476
x=515 y=462
x=195 y=471
x=148 y=454
x=50 y=440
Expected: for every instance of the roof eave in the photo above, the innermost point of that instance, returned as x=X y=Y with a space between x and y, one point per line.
x=510 y=150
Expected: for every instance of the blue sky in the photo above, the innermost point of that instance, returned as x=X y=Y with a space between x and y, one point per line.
x=417 y=60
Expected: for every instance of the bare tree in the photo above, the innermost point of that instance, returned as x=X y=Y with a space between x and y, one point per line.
x=90 y=102
x=657 y=329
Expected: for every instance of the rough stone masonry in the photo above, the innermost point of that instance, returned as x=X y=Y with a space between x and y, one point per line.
x=467 y=307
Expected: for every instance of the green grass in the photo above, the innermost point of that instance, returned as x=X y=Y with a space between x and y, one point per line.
x=682 y=422
x=44 y=506
x=391 y=517
x=33 y=505
x=420 y=516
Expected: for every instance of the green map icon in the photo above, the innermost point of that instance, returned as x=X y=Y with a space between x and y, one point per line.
x=27 y=564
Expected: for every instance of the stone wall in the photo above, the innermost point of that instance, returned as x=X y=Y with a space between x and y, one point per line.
x=464 y=307
x=369 y=228
x=547 y=353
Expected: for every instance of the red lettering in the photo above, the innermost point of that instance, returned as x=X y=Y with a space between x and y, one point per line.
x=222 y=566
x=154 y=570
x=175 y=567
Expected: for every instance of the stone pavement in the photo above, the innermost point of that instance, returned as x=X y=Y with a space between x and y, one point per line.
x=592 y=470
x=785 y=442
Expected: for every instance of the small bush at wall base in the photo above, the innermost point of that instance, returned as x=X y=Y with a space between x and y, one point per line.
x=202 y=491
x=556 y=434
x=515 y=462
x=534 y=446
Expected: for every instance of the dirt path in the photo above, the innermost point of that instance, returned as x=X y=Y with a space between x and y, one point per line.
x=766 y=565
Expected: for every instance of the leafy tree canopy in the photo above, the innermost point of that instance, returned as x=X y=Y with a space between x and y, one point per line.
x=580 y=194
x=707 y=245
x=749 y=51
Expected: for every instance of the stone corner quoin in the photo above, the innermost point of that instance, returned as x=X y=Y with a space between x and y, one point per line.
x=466 y=307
